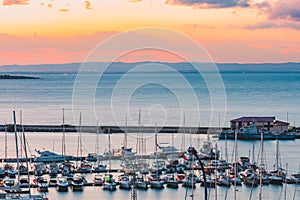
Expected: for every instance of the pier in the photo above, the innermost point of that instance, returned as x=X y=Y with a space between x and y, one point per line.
x=114 y=129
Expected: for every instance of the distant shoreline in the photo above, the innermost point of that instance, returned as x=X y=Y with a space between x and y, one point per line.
x=122 y=67
x=6 y=76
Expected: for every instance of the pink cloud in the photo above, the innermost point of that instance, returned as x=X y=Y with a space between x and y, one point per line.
x=290 y=50
x=210 y=3
x=88 y=5
x=36 y=49
x=14 y=2
x=262 y=45
x=63 y=10
x=286 y=9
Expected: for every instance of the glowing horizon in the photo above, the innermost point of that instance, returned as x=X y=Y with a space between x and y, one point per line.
x=232 y=31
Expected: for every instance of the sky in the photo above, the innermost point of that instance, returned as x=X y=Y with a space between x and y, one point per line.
x=231 y=31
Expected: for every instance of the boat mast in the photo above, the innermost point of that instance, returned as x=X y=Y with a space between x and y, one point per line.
x=235 y=162
x=109 y=151
x=261 y=164
x=253 y=157
x=5 y=138
x=21 y=142
x=216 y=191
x=277 y=154
x=79 y=143
x=183 y=135
x=80 y=135
x=156 y=156
x=125 y=136
x=286 y=167
x=63 y=144
x=191 y=140
x=17 y=147
x=97 y=143
x=139 y=137
x=25 y=151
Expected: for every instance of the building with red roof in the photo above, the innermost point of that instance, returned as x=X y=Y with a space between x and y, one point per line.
x=269 y=123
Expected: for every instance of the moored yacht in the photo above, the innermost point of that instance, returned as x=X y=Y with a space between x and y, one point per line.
x=48 y=156
x=77 y=183
x=98 y=180
x=109 y=182
x=125 y=182
x=62 y=184
x=141 y=183
x=42 y=185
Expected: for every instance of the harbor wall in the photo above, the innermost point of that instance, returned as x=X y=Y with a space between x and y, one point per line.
x=113 y=129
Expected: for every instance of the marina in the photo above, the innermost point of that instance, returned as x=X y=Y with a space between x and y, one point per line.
x=92 y=189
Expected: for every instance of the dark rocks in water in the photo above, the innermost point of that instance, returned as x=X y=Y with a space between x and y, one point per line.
x=6 y=76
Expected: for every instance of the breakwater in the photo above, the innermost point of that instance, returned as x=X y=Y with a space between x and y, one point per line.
x=113 y=129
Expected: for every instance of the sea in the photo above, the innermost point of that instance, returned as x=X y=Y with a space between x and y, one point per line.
x=155 y=98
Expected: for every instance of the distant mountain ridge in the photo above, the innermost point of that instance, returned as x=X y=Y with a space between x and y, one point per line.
x=184 y=67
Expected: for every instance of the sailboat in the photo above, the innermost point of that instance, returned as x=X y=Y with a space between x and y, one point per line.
x=141 y=164
x=82 y=166
x=125 y=150
x=207 y=151
x=278 y=175
x=10 y=185
x=124 y=182
x=155 y=181
x=98 y=167
x=109 y=182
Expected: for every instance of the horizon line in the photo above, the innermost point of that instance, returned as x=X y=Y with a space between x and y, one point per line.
x=236 y=63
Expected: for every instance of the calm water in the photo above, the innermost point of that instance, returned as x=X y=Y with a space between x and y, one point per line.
x=162 y=98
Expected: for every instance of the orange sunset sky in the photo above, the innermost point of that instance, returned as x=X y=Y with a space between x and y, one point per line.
x=64 y=31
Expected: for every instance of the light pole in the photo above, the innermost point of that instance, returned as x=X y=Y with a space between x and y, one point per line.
x=194 y=152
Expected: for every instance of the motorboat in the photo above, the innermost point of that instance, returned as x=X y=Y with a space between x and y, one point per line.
x=66 y=168
x=62 y=184
x=165 y=149
x=91 y=157
x=276 y=179
x=24 y=185
x=39 y=169
x=23 y=170
x=252 y=133
x=2 y=172
x=224 y=180
x=49 y=157
x=109 y=182
x=155 y=181
x=11 y=172
x=98 y=180
x=9 y=185
x=124 y=182
x=158 y=166
x=43 y=185
x=53 y=169
x=293 y=178
x=171 y=182
x=189 y=181
x=140 y=183
x=52 y=182
x=84 y=167
x=157 y=184
x=210 y=182
x=207 y=151
x=77 y=183
x=97 y=168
